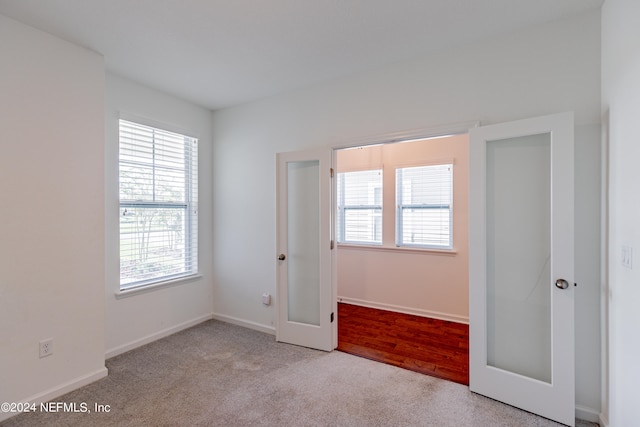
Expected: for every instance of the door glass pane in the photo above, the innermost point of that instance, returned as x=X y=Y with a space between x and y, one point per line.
x=518 y=255
x=303 y=209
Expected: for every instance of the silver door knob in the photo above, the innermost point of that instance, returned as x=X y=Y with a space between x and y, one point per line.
x=282 y=257
x=562 y=284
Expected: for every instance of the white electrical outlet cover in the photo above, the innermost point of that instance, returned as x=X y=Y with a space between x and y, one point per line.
x=266 y=299
x=46 y=347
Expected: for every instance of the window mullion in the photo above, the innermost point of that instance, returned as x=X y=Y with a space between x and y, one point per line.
x=153 y=167
x=399 y=202
x=187 y=189
x=142 y=204
x=344 y=213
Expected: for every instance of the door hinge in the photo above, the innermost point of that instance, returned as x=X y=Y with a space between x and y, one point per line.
x=331 y=317
x=331 y=172
x=331 y=245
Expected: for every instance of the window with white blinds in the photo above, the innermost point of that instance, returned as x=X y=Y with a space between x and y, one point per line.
x=424 y=213
x=158 y=205
x=359 y=196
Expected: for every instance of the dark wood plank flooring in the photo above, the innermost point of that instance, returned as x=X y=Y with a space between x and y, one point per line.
x=430 y=346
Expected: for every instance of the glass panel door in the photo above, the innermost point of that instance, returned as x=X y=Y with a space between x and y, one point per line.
x=303 y=267
x=521 y=296
x=518 y=255
x=304 y=295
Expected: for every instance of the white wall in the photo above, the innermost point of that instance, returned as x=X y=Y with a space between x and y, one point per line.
x=426 y=283
x=548 y=69
x=621 y=99
x=141 y=318
x=52 y=216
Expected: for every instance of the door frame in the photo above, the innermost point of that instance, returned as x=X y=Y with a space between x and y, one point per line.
x=421 y=133
x=439 y=131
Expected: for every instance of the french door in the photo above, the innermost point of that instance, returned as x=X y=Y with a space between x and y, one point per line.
x=304 y=294
x=521 y=289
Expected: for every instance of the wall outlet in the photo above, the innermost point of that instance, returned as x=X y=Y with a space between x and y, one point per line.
x=627 y=257
x=46 y=347
x=266 y=299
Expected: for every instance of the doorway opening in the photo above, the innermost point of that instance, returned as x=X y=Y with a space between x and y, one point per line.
x=402 y=254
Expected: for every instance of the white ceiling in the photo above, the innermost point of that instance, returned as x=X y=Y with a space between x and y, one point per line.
x=219 y=53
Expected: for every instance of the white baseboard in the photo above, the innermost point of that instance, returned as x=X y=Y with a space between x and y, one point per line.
x=156 y=336
x=60 y=390
x=587 y=414
x=245 y=323
x=406 y=310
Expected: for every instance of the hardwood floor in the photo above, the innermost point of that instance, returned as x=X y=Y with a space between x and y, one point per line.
x=430 y=346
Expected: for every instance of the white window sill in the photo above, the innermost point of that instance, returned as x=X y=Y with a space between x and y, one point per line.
x=395 y=249
x=143 y=289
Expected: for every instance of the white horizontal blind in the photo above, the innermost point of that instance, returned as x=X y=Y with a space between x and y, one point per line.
x=424 y=214
x=158 y=205
x=359 y=196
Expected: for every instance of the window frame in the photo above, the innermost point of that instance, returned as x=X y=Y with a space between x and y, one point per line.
x=188 y=204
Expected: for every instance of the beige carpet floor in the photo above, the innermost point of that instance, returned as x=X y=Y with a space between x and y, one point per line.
x=217 y=374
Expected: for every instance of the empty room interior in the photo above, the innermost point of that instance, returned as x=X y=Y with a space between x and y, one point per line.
x=277 y=169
